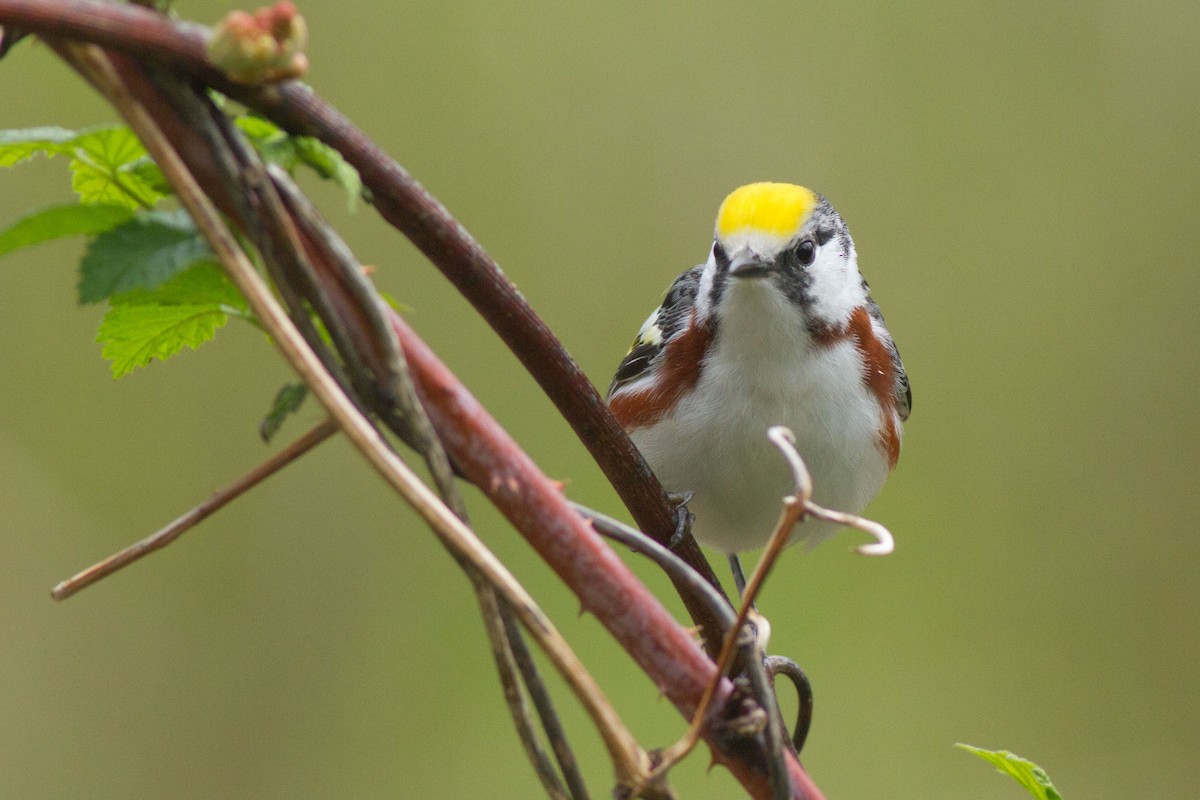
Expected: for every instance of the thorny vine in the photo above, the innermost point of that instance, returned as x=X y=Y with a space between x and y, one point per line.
x=379 y=376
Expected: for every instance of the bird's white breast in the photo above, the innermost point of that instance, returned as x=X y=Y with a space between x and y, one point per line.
x=765 y=369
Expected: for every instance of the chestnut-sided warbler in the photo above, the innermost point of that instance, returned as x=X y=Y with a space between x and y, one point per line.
x=776 y=328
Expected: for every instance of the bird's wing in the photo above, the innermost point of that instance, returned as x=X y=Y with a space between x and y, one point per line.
x=901 y=390
x=659 y=328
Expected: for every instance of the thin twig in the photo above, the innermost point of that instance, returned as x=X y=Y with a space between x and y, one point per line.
x=751 y=659
x=672 y=755
x=884 y=544
x=629 y=760
x=763 y=691
x=681 y=573
x=219 y=499
x=506 y=665
x=240 y=173
x=388 y=384
x=779 y=665
x=551 y=723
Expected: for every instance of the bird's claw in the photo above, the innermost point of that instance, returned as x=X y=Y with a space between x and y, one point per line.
x=683 y=518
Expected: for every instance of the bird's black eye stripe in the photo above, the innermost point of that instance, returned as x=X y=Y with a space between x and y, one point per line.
x=806 y=252
x=824 y=235
x=720 y=256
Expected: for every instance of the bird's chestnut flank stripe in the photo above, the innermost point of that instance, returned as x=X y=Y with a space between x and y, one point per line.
x=682 y=364
x=879 y=375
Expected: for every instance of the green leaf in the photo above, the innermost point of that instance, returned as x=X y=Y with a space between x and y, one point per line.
x=19 y=145
x=202 y=284
x=271 y=142
x=259 y=129
x=287 y=402
x=396 y=305
x=277 y=147
x=186 y=311
x=147 y=173
x=1024 y=772
x=141 y=253
x=56 y=222
x=109 y=167
x=329 y=164
x=133 y=335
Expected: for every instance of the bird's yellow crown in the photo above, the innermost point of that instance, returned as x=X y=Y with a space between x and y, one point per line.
x=777 y=209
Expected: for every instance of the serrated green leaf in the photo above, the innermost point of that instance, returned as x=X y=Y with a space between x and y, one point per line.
x=202 y=284
x=108 y=167
x=132 y=335
x=141 y=253
x=19 y=145
x=56 y=222
x=287 y=402
x=148 y=173
x=186 y=311
x=1023 y=771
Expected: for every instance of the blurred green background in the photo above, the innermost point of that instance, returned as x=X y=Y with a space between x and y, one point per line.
x=1023 y=185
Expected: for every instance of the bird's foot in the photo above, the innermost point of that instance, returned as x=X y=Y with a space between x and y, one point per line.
x=683 y=518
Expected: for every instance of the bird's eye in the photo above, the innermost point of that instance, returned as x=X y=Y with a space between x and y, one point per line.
x=806 y=251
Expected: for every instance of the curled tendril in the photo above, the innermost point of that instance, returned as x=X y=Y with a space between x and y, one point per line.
x=785 y=440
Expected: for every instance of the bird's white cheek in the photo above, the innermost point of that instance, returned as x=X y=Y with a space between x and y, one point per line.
x=836 y=288
x=704 y=290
